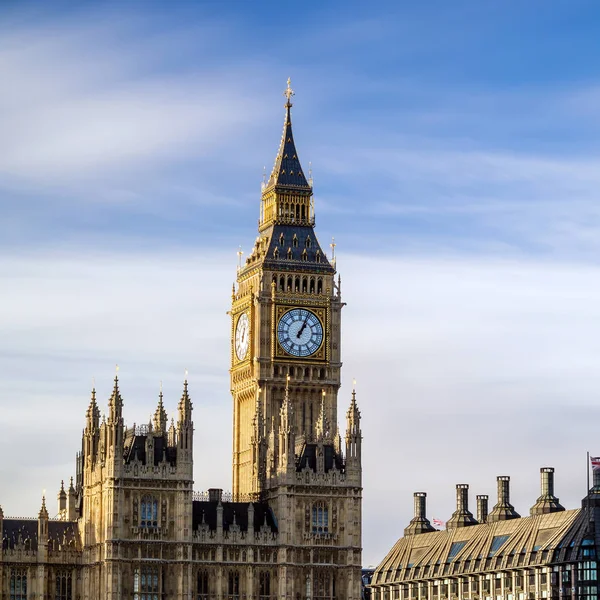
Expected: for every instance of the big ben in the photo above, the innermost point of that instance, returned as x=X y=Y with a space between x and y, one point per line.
x=285 y=377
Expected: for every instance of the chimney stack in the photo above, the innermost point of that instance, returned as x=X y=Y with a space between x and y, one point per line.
x=547 y=502
x=419 y=523
x=482 y=508
x=504 y=510
x=461 y=516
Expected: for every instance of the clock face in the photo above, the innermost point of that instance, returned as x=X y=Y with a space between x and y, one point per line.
x=300 y=332
x=242 y=336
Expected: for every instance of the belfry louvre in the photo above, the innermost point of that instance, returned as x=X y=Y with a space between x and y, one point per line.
x=497 y=555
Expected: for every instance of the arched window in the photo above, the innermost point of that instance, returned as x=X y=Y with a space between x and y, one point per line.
x=202 y=586
x=18 y=584
x=282 y=283
x=308 y=241
x=289 y=254
x=295 y=241
x=320 y=518
x=318 y=256
x=281 y=240
x=297 y=284
x=304 y=255
x=320 y=286
x=63 y=586
x=149 y=512
x=145 y=583
x=289 y=284
x=304 y=285
x=234 y=584
x=276 y=253
x=312 y=285
x=264 y=585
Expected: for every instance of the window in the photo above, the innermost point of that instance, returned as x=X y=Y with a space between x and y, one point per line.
x=145 y=584
x=233 y=587
x=497 y=543
x=324 y=586
x=455 y=549
x=320 y=518
x=18 y=584
x=202 y=587
x=63 y=586
x=295 y=241
x=264 y=585
x=149 y=513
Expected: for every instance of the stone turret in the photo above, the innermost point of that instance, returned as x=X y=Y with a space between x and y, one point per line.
x=62 y=500
x=353 y=435
x=160 y=415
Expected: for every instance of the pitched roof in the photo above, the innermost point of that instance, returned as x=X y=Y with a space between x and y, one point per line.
x=504 y=544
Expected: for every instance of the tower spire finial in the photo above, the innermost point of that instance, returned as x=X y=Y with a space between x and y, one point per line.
x=289 y=92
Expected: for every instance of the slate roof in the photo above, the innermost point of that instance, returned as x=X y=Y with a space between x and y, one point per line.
x=20 y=531
x=287 y=171
x=206 y=511
x=296 y=262
x=308 y=458
x=137 y=447
x=540 y=539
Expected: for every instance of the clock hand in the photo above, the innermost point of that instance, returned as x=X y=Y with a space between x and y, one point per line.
x=302 y=328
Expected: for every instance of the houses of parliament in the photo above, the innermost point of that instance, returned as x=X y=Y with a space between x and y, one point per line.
x=130 y=524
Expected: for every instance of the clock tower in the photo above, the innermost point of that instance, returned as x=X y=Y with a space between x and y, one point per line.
x=285 y=377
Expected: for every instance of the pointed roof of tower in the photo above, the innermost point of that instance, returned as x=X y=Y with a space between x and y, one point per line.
x=185 y=404
x=353 y=411
x=43 y=511
x=287 y=171
x=115 y=398
x=160 y=415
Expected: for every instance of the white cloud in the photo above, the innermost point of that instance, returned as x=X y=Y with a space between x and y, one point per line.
x=466 y=369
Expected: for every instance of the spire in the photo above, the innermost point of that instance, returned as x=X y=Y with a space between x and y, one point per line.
x=160 y=415
x=353 y=415
x=322 y=426
x=115 y=402
x=185 y=404
x=93 y=412
x=43 y=510
x=353 y=432
x=287 y=171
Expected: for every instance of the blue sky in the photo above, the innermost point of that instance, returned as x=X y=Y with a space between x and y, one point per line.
x=455 y=155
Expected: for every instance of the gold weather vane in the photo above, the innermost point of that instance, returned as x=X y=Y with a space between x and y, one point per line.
x=289 y=92
x=332 y=246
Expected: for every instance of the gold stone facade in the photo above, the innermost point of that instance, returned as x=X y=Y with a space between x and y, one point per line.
x=130 y=525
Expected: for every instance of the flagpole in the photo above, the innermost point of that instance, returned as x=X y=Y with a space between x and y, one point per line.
x=588 y=473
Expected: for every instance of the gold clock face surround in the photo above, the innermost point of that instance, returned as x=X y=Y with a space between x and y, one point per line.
x=242 y=336
x=300 y=332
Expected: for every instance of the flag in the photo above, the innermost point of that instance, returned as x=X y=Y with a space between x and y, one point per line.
x=438 y=523
x=595 y=462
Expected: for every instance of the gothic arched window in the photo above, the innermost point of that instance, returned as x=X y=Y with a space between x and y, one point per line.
x=264 y=585
x=149 y=512
x=319 y=286
x=295 y=241
x=18 y=584
x=145 y=583
x=202 y=587
x=320 y=518
x=234 y=584
x=63 y=586
x=304 y=255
